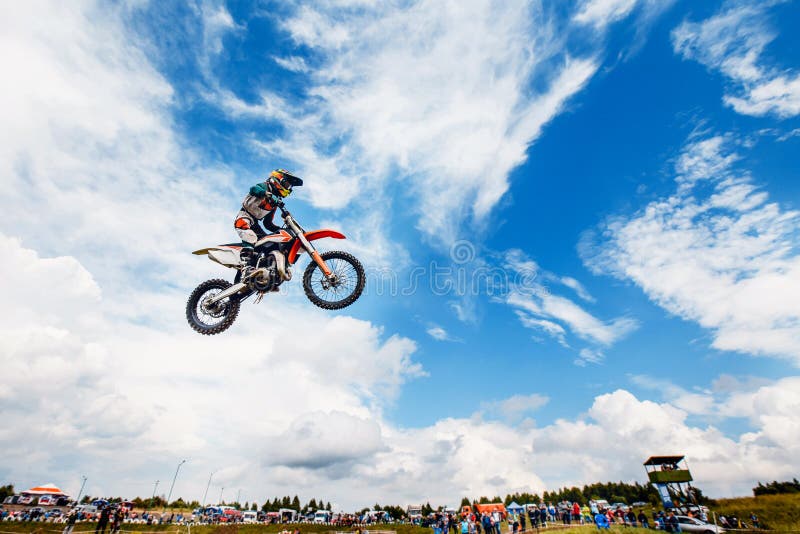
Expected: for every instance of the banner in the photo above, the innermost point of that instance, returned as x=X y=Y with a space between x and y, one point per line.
x=666 y=499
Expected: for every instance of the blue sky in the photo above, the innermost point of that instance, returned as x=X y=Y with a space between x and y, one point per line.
x=629 y=167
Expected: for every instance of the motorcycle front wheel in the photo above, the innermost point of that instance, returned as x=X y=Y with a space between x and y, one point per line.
x=210 y=319
x=343 y=289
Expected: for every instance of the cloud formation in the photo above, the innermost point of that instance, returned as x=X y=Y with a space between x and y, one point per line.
x=424 y=96
x=539 y=308
x=717 y=252
x=733 y=42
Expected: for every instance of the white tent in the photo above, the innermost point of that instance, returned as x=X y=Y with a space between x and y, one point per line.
x=44 y=489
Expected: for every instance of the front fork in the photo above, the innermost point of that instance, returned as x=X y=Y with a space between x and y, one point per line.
x=309 y=247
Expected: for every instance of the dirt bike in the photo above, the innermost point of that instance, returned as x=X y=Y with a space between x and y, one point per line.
x=333 y=280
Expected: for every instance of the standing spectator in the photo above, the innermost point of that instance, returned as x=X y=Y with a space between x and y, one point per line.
x=673 y=525
x=72 y=517
x=533 y=515
x=643 y=519
x=522 y=520
x=496 y=521
x=754 y=520
x=102 y=523
x=576 y=512
x=630 y=517
x=116 y=519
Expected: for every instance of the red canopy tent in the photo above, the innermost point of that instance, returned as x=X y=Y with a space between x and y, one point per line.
x=45 y=489
x=492 y=507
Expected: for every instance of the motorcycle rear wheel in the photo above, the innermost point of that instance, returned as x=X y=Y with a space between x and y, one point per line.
x=350 y=285
x=211 y=320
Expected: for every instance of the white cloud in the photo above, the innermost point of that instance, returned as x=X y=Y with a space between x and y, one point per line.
x=604 y=12
x=325 y=439
x=292 y=63
x=434 y=97
x=515 y=407
x=438 y=333
x=621 y=431
x=577 y=287
x=538 y=308
x=716 y=252
x=97 y=393
x=733 y=42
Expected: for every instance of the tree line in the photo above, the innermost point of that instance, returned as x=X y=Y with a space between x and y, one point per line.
x=610 y=491
x=776 y=488
x=294 y=503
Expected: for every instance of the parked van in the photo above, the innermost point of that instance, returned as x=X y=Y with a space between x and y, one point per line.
x=250 y=516
x=322 y=516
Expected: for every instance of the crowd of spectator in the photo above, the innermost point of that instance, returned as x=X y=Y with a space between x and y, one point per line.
x=109 y=518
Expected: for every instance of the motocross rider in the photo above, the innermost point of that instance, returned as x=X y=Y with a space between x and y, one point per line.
x=260 y=205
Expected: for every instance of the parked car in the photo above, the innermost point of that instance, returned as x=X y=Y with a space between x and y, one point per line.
x=598 y=505
x=621 y=505
x=86 y=509
x=35 y=512
x=249 y=516
x=639 y=504
x=692 y=524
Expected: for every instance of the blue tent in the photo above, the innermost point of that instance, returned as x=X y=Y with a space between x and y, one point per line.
x=514 y=507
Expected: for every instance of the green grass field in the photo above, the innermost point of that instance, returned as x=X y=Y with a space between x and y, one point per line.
x=776 y=512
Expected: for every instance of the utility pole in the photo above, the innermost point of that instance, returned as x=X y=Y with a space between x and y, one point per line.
x=173 y=484
x=220 y=496
x=153 y=498
x=207 y=486
x=238 y=494
x=80 y=491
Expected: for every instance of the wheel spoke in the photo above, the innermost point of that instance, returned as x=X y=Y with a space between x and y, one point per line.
x=348 y=276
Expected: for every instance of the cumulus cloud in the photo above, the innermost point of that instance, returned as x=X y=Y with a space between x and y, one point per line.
x=621 y=431
x=275 y=411
x=717 y=252
x=733 y=42
x=320 y=440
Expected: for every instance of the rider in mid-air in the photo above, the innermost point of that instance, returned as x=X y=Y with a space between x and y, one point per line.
x=260 y=205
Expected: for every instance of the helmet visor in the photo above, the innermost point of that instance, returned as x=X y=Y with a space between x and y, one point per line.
x=280 y=186
x=283 y=191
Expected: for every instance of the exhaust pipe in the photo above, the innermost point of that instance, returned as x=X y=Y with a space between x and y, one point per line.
x=280 y=265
